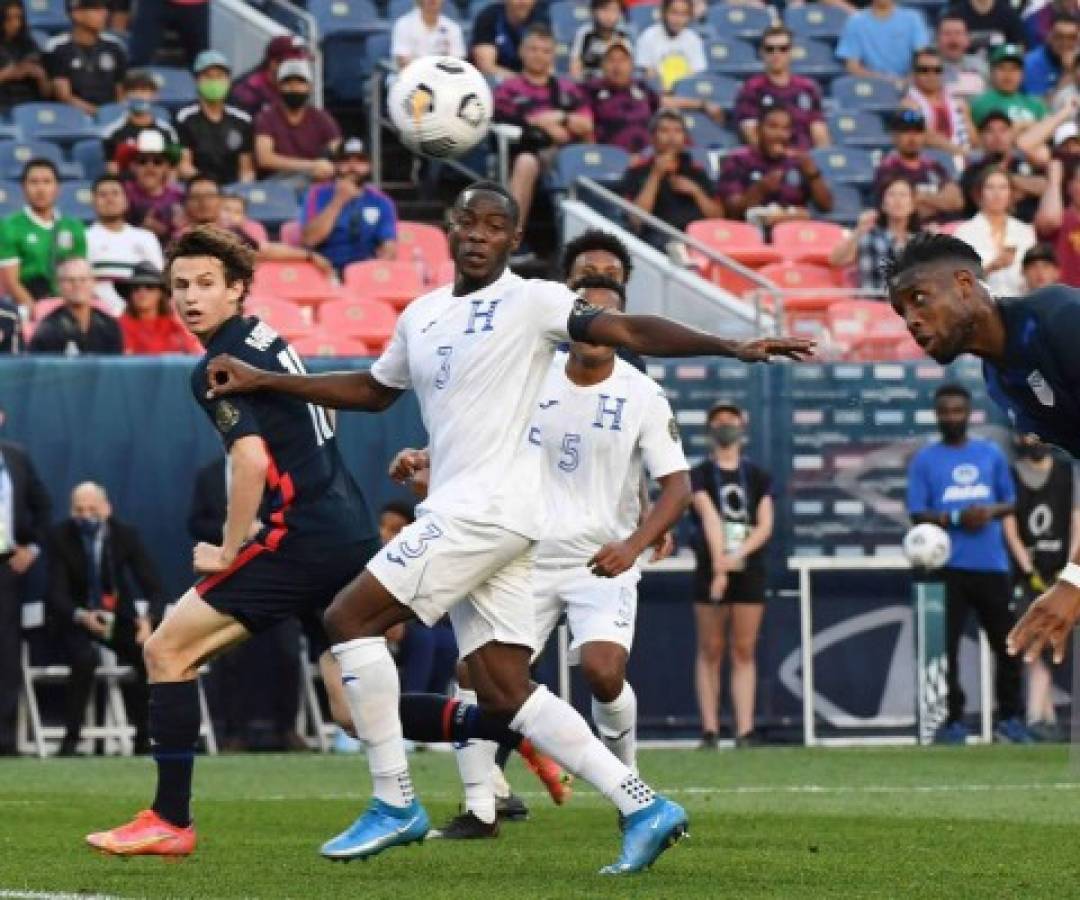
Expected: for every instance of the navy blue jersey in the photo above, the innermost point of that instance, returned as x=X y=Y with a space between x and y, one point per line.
x=1038 y=384
x=313 y=500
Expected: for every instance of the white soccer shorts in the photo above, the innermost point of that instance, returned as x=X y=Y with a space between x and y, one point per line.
x=597 y=609
x=480 y=574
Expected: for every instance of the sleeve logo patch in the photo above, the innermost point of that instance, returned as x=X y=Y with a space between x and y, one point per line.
x=673 y=429
x=226 y=416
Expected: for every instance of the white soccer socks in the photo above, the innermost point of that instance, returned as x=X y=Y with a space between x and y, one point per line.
x=617 y=723
x=475 y=762
x=371 y=686
x=558 y=730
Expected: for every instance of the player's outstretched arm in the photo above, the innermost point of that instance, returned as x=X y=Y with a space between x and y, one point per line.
x=657 y=336
x=337 y=390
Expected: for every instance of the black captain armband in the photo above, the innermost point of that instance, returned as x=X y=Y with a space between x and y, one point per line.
x=581 y=317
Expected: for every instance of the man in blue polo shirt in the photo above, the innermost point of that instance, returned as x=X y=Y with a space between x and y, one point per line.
x=347 y=220
x=963 y=484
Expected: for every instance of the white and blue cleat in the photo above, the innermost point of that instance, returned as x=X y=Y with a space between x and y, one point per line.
x=648 y=833
x=380 y=827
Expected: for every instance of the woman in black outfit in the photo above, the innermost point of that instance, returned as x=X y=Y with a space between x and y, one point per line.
x=22 y=75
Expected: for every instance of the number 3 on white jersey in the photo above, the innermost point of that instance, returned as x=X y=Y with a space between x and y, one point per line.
x=320 y=421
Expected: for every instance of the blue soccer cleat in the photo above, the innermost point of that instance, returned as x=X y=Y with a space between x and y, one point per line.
x=380 y=827
x=647 y=834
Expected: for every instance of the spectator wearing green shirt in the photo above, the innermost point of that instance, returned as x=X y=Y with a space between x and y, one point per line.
x=35 y=239
x=1005 y=96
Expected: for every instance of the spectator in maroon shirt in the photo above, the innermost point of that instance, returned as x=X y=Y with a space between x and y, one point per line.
x=777 y=86
x=937 y=194
x=293 y=139
x=1059 y=222
x=154 y=201
x=771 y=181
x=258 y=88
x=621 y=105
x=552 y=112
x=668 y=184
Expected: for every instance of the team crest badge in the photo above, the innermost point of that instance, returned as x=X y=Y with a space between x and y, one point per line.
x=226 y=416
x=371 y=215
x=673 y=429
x=1042 y=391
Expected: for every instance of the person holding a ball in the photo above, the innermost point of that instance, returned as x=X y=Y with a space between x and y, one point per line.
x=963 y=485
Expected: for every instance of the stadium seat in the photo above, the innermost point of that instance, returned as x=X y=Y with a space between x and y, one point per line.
x=852 y=320
x=371 y=321
x=567 y=16
x=395 y=281
x=845 y=165
x=50 y=16
x=816 y=60
x=815 y=21
x=704 y=132
x=53 y=122
x=418 y=242
x=176 y=86
x=270 y=202
x=739 y=240
x=290 y=233
x=11 y=197
x=730 y=56
x=15 y=154
x=713 y=88
x=943 y=157
x=90 y=154
x=858 y=128
x=735 y=20
x=641 y=17
x=300 y=281
x=444 y=274
x=707 y=159
x=109 y=113
x=807 y=241
x=794 y=276
x=847 y=204
x=348 y=61
x=322 y=343
x=850 y=92
x=77 y=200
x=346 y=16
x=286 y=318
x=599 y=162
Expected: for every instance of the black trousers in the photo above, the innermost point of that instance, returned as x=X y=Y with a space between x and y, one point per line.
x=81 y=650
x=988 y=594
x=10 y=646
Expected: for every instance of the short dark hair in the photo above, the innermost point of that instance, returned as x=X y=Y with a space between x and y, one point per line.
x=538 y=30
x=928 y=247
x=107 y=178
x=666 y=113
x=493 y=187
x=724 y=406
x=399 y=508
x=601 y=283
x=237 y=258
x=774 y=111
x=666 y=4
x=953 y=390
x=951 y=14
x=995 y=115
x=39 y=162
x=140 y=79
x=777 y=31
x=595 y=239
x=205 y=179
x=928 y=50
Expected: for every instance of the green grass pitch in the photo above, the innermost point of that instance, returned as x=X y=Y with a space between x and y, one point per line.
x=938 y=822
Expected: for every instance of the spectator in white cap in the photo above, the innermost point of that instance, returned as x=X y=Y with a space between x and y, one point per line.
x=293 y=139
x=348 y=220
x=425 y=31
x=154 y=201
x=217 y=139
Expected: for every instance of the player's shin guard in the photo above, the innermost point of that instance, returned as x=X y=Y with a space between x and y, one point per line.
x=475 y=761
x=371 y=687
x=617 y=724
x=174 y=732
x=558 y=730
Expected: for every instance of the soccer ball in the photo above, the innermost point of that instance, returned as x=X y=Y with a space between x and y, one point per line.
x=927 y=546
x=441 y=106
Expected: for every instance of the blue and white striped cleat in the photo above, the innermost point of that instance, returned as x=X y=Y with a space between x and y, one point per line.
x=647 y=834
x=380 y=827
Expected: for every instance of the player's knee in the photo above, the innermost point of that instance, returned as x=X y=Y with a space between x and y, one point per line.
x=161 y=660
x=502 y=700
x=605 y=674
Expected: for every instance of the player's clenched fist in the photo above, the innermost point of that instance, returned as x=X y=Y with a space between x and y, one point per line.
x=414 y=468
x=209 y=560
x=613 y=559
x=227 y=375
x=1047 y=623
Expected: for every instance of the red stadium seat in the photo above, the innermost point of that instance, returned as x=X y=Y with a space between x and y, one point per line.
x=444 y=274
x=322 y=343
x=372 y=321
x=300 y=281
x=865 y=324
x=809 y=242
x=397 y=282
x=290 y=233
x=793 y=276
x=428 y=240
x=285 y=317
x=739 y=240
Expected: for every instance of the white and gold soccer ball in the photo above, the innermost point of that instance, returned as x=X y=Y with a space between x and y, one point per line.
x=927 y=546
x=440 y=105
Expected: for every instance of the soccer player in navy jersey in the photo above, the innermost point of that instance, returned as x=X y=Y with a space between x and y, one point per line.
x=317 y=538
x=1030 y=348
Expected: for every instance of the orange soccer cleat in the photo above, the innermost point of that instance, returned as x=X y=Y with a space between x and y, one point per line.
x=145 y=835
x=558 y=782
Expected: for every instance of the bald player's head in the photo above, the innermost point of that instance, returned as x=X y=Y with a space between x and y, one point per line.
x=89 y=501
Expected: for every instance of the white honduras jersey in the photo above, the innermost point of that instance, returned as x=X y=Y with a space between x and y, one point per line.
x=477 y=363
x=595 y=440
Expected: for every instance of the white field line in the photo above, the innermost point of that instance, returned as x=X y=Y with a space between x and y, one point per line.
x=15 y=894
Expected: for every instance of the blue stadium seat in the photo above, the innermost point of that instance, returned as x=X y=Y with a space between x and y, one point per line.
x=346 y=67
x=943 y=157
x=845 y=165
x=704 y=132
x=730 y=56
x=53 y=122
x=815 y=20
x=346 y=16
x=47 y=15
x=269 y=202
x=77 y=200
x=599 y=162
x=11 y=197
x=15 y=154
x=858 y=128
x=90 y=154
x=109 y=112
x=708 y=160
x=815 y=59
x=732 y=20
x=714 y=88
x=567 y=16
x=176 y=86
x=847 y=204
x=642 y=17
x=851 y=92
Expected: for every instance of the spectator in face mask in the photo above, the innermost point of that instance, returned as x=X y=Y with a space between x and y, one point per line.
x=91 y=557
x=218 y=140
x=292 y=138
x=732 y=508
x=140 y=92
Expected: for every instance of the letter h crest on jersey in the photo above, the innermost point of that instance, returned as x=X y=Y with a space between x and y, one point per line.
x=482 y=316
x=609 y=406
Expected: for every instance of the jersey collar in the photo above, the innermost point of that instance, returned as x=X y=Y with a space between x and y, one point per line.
x=230 y=330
